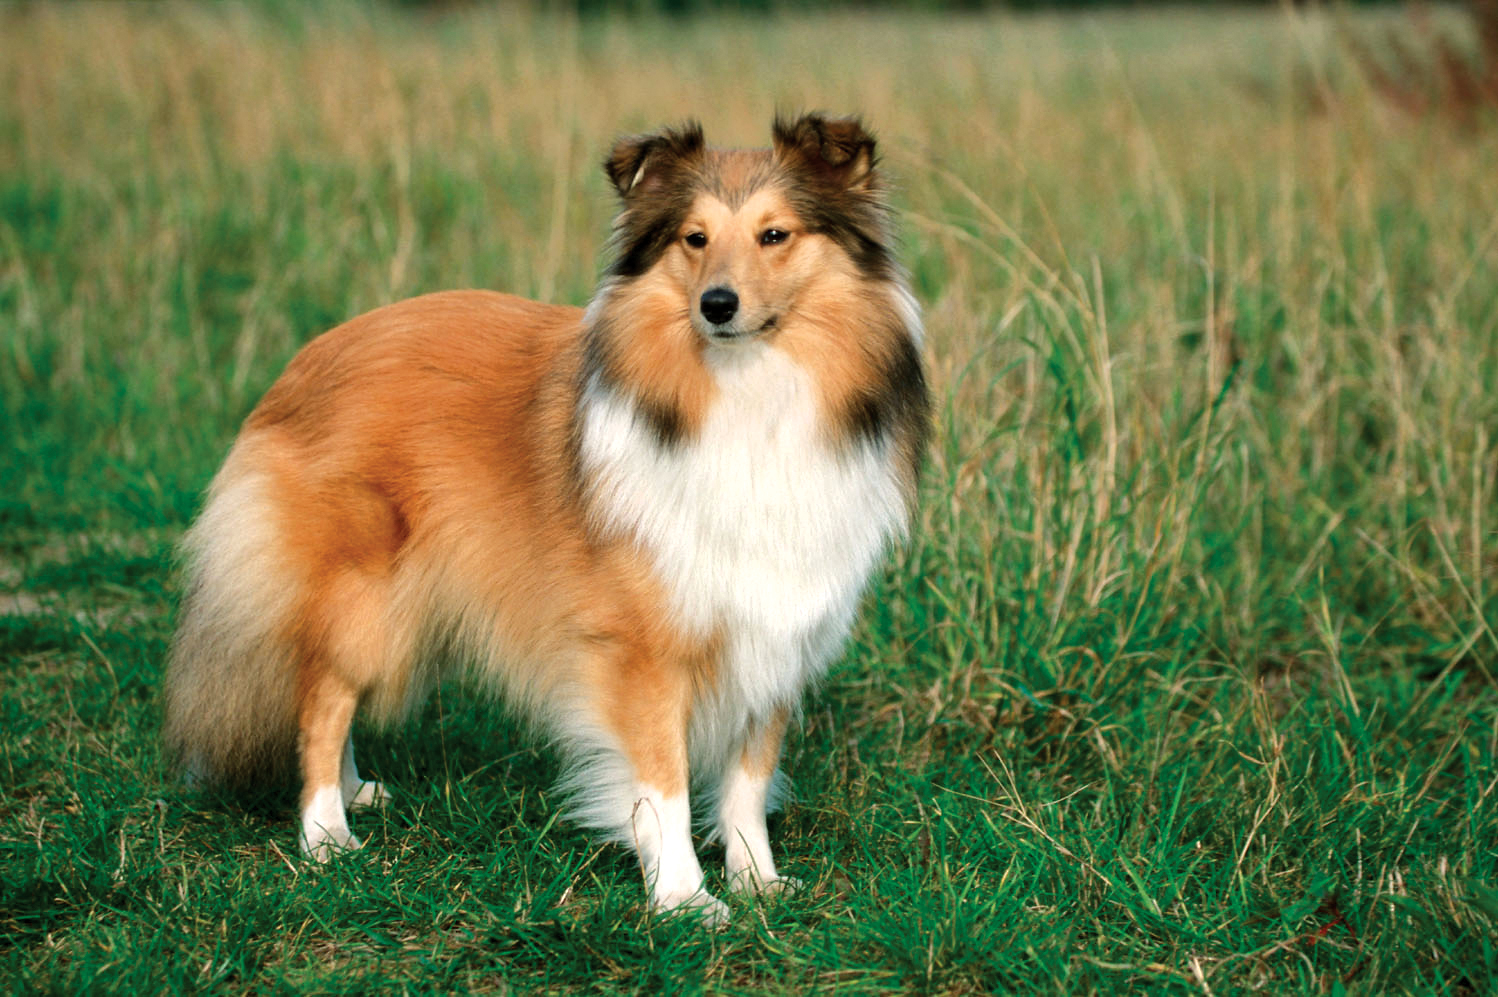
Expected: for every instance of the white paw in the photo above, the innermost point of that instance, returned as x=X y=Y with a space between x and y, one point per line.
x=321 y=844
x=712 y=911
x=369 y=794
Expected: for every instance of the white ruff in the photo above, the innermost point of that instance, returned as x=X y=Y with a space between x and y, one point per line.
x=760 y=528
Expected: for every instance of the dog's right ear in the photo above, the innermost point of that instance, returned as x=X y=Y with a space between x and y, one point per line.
x=642 y=162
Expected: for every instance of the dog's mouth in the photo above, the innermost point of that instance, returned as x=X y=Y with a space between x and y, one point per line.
x=731 y=333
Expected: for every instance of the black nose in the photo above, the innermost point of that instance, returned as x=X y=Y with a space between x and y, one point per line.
x=719 y=304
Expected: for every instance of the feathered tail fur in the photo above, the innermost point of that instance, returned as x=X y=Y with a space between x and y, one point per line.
x=231 y=679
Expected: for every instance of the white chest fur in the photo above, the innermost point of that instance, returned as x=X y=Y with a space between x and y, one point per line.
x=759 y=527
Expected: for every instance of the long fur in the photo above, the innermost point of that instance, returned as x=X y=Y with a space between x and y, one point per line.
x=643 y=524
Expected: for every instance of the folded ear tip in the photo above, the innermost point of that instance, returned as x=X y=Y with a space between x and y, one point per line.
x=625 y=161
x=635 y=157
x=822 y=128
x=842 y=144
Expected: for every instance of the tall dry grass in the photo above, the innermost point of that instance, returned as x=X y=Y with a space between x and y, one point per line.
x=1248 y=304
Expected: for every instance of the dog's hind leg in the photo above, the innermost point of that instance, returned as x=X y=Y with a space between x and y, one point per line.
x=347 y=657
x=325 y=715
x=358 y=792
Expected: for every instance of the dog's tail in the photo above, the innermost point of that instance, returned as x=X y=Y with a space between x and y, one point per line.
x=231 y=679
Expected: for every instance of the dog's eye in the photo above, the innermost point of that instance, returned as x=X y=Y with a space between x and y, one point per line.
x=696 y=239
x=772 y=236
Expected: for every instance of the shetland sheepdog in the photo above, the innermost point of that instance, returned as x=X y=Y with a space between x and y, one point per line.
x=645 y=524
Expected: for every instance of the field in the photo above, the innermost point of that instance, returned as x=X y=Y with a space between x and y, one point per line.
x=1184 y=684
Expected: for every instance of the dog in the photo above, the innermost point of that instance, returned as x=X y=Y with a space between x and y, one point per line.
x=646 y=524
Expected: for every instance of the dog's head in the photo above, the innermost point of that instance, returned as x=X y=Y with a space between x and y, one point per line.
x=740 y=236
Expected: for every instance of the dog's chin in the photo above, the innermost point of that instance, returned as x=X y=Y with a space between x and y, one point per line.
x=731 y=333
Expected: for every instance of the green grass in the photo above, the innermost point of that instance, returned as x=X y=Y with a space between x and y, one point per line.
x=1185 y=683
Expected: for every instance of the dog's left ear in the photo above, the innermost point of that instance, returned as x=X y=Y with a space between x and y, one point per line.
x=839 y=151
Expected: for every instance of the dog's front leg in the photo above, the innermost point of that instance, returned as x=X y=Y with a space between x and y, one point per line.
x=743 y=799
x=662 y=829
x=645 y=709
